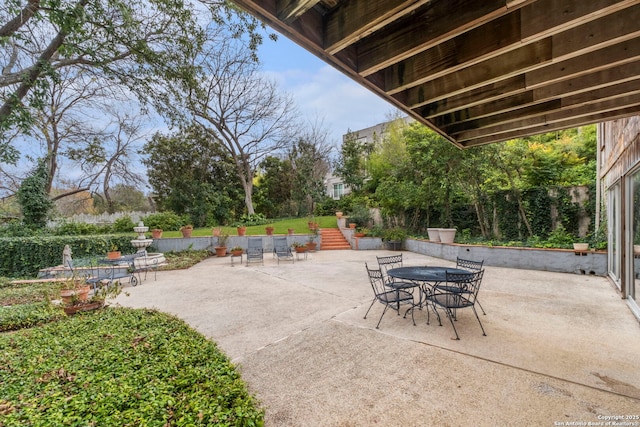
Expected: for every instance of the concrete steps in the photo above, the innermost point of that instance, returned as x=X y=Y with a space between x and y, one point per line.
x=332 y=239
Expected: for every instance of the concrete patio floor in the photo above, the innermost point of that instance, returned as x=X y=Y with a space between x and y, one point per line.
x=561 y=349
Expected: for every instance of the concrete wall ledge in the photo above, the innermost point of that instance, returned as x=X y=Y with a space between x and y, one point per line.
x=557 y=260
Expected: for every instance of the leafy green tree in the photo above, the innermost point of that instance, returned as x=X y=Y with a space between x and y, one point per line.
x=273 y=188
x=140 y=45
x=34 y=199
x=190 y=174
x=351 y=164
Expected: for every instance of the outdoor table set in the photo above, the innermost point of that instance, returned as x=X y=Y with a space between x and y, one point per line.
x=447 y=288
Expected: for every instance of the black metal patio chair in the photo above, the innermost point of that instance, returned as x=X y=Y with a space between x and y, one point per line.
x=471 y=265
x=459 y=291
x=393 y=299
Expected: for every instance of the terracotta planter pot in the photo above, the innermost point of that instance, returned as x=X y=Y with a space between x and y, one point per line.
x=221 y=250
x=113 y=254
x=73 y=309
x=156 y=233
x=242 y=231
x=291 y=230
x=301 y=249
x=186 y=232
x=236 y=253
x=311 y=246
x=359 y=234
x=67 y=295
x=269 y=231
x=352 y=225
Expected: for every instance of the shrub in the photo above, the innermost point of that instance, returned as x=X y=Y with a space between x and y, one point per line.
x=123 y=224
x=168 y=221
x=66 y=228
x=253 y=219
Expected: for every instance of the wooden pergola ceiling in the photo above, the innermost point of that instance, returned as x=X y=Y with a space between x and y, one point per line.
x=478 y=71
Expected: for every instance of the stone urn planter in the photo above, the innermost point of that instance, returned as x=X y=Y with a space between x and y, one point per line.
x=447 y=235
x=580 y=246
x=434 y=234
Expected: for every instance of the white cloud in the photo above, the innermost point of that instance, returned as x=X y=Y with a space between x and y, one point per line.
x=327 y=94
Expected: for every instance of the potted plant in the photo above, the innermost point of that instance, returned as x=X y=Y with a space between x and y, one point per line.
x=156 y=233
x=311 y=243
x=186 y=230
x=269 y=231
x=78 y=302
x=74 y=291
x=113 y=252
x=215 y=231
x=299 y=247
x=290 y=231
x=241 y=230
x=393 y=237
x=361 y=232
x=221 y=246
x=236 y=250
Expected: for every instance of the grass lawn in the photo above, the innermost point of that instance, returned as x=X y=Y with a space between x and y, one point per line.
x=300 y=225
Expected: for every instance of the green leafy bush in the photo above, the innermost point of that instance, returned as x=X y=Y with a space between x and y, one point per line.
x=253 y=219
x=167 y=221
x=70 y=228
x=117 y=367
x=123 y=224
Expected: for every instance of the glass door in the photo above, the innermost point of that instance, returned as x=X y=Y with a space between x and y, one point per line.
x=633 y=237
x=613 y=232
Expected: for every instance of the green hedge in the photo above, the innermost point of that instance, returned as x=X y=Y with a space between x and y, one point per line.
x=24 y=256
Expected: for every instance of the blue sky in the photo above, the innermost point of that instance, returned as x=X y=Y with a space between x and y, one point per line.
x=321 y=91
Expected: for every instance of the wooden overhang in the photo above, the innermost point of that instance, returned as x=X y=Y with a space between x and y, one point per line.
x=478 y=71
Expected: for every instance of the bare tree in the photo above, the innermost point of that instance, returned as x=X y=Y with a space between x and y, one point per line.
x=110 y=157
x=241 y=108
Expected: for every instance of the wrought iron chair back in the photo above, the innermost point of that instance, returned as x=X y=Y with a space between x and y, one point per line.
x=393 y=299
x=471 y=265
x=459 y=291
x=385 y=263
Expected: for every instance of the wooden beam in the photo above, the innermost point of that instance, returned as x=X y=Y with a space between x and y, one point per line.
x=355 y=19
x=499 y=36
x=438 y=21
x=511 y=64
x=551 y=127
x=601 y=84
x=290 y=10
x=594 y=112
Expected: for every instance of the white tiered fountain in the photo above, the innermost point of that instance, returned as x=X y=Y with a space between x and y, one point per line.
x=142 y=243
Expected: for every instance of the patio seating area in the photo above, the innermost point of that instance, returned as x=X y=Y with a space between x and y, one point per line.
x=559 y=347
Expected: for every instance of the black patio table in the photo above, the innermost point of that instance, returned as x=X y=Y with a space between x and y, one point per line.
x=424 y=277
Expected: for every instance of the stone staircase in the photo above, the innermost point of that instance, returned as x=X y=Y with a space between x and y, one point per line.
x=332 y=239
